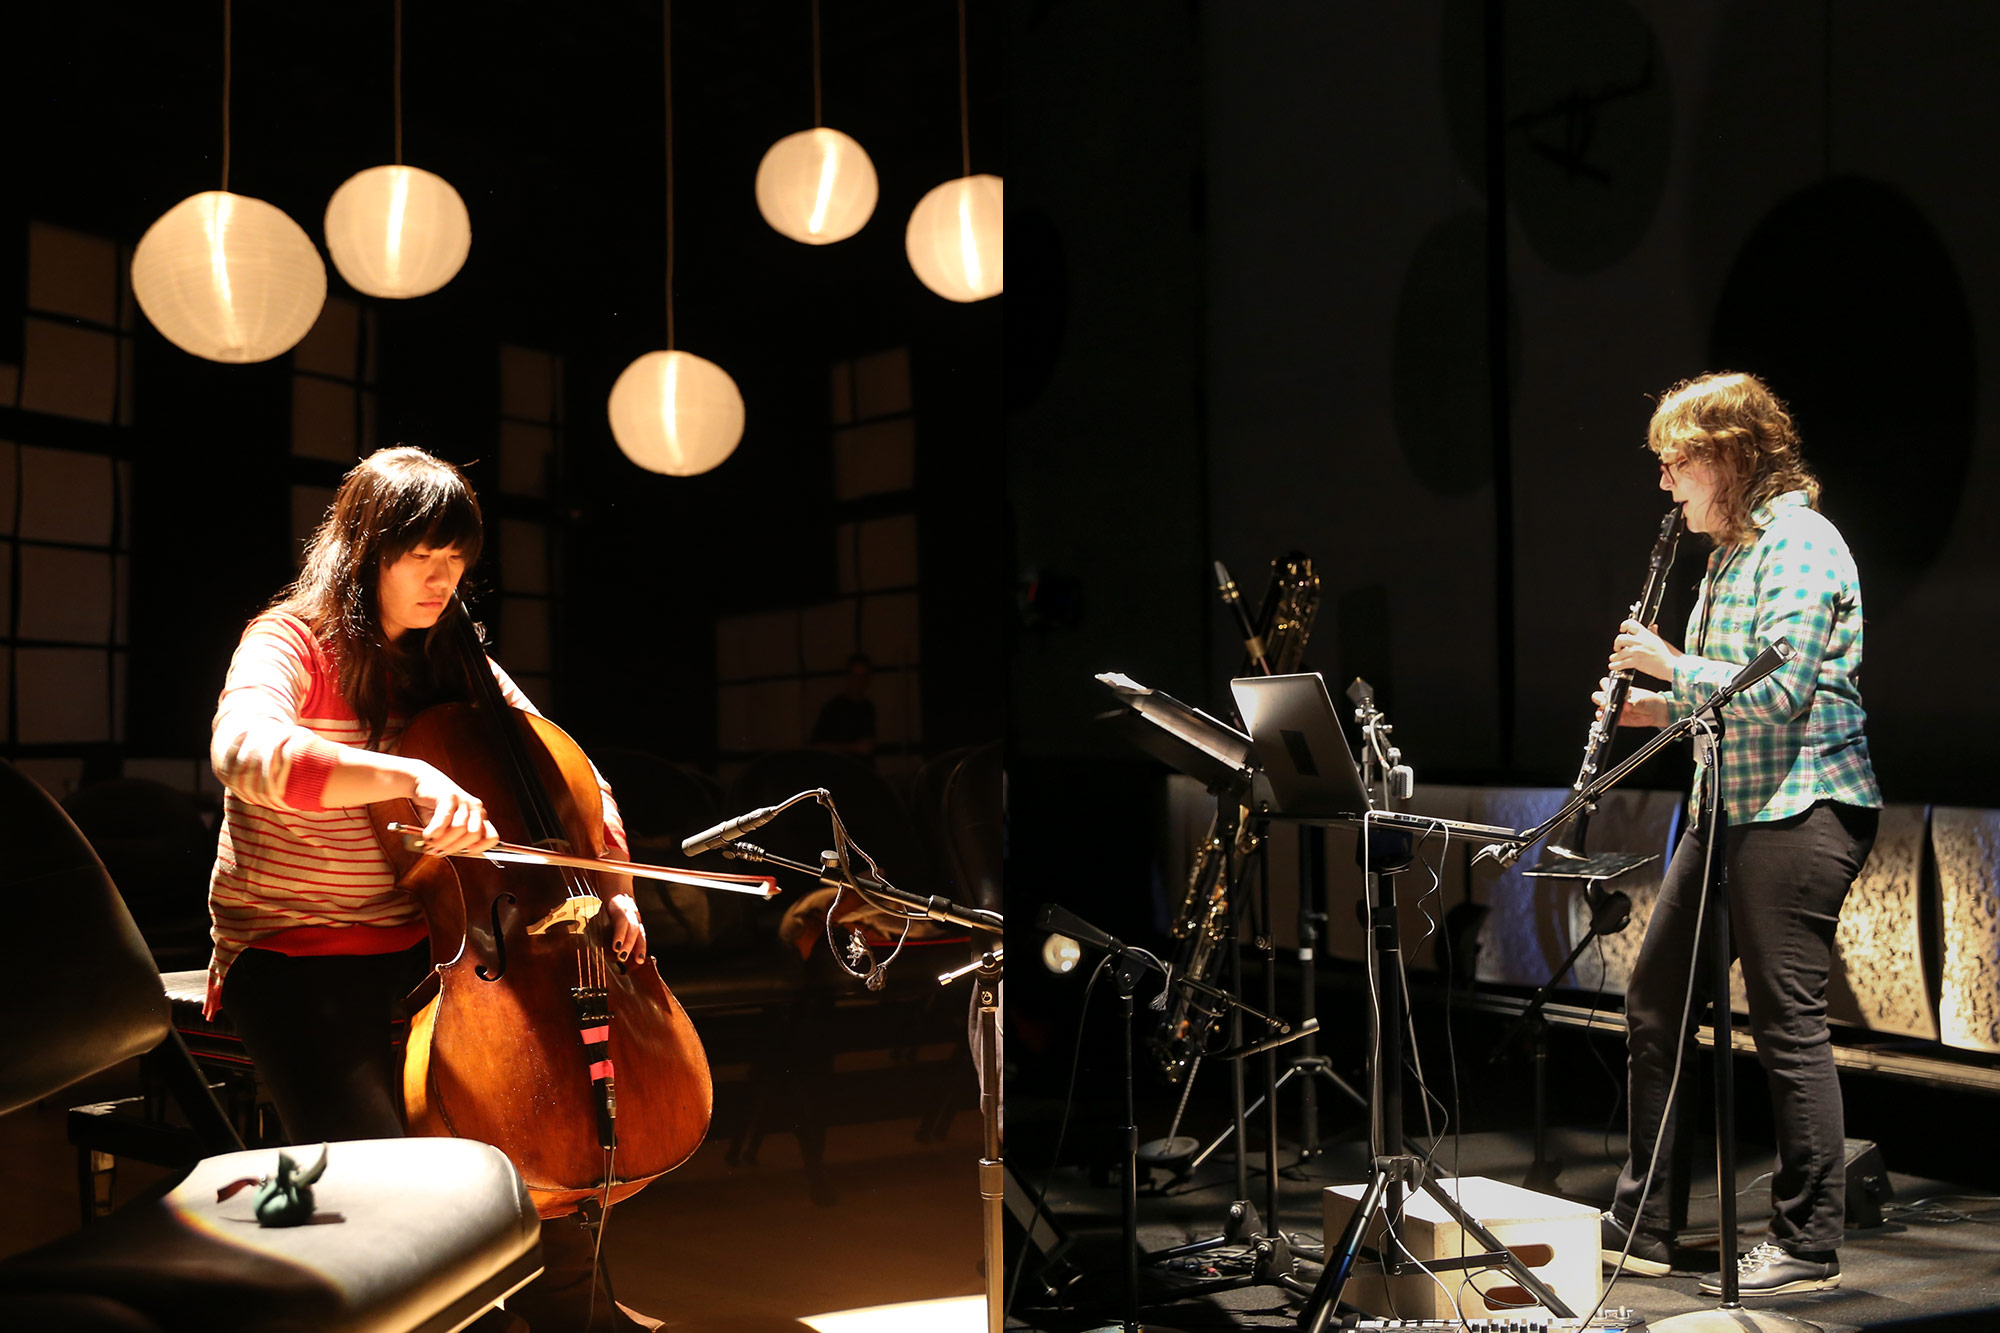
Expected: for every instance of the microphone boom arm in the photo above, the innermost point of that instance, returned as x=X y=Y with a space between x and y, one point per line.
x=1775 y=655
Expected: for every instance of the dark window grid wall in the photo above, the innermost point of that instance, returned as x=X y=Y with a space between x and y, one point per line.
x=58 y=402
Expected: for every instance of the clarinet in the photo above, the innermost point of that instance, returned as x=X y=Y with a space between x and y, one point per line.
x=1567 y=842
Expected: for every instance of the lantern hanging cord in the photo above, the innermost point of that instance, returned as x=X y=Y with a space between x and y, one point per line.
x=964 y=116
x=398 y=78
x=817 y=119
x=667 y=46
x=225 y=95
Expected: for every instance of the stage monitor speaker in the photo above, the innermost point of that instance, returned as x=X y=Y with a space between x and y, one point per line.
x=1868 y=1186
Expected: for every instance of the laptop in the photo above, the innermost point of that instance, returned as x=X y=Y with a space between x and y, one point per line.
x=1296 y=735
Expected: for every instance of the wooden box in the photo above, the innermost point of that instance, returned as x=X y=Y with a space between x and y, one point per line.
x=1557 y=1238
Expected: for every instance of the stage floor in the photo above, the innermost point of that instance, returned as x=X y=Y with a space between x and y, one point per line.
x=1933 y=1266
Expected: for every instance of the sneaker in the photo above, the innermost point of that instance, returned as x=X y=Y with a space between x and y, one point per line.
x=1650 y=1255
x=1772 y=1270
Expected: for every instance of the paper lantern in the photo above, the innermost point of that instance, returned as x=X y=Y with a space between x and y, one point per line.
x=397 y=232
x=676 y=413
x=816 y=186
x=954 y=239
x=228 y=277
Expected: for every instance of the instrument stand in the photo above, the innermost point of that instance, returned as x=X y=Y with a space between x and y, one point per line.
x=1729 y=1316
x=1274 y=1264
x=1609 y=914
x=1389 y=853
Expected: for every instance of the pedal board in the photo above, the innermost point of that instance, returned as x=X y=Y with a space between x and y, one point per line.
x=1618 y=1320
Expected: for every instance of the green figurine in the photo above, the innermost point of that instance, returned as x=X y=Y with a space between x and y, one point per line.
x=284 y=1198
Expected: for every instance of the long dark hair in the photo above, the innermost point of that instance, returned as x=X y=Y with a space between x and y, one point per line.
x=394 y=500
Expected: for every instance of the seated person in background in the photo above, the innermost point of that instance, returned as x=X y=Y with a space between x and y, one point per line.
x=847 y=720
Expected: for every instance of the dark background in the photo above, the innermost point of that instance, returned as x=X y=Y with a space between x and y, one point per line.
x=549 y=122
x=1397 y=286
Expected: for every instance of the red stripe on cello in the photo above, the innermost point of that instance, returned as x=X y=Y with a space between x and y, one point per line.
x=600 y=1070
x=591 y=1036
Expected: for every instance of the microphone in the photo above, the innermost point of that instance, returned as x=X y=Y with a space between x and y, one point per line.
x=1776 y=654
x=710 y=839
x=1305 y=1029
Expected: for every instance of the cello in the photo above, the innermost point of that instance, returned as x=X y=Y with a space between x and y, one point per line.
x=537 y=1038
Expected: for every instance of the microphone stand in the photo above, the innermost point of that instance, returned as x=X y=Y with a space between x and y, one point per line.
x=1729 y=1316
x=989 y=968
x=1129 y=964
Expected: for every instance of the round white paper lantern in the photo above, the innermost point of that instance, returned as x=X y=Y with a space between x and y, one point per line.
x=816 y=186
x=954 y=239
x=397 y=231
x=228 y=277
x=676 y=413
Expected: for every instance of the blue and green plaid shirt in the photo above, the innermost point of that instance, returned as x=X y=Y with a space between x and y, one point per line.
x=1794 y=738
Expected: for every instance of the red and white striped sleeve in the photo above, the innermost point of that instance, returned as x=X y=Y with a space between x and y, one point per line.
x=257 y=746
x=614 y=823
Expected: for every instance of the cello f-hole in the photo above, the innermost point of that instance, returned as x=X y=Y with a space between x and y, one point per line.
x=499 y=941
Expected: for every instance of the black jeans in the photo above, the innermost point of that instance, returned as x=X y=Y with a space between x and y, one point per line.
x=319 y=1031
x=1786 y=881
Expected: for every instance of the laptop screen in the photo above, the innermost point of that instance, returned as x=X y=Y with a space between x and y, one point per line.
x=1300 y=745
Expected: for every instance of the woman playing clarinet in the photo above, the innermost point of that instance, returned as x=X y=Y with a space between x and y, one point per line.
x=1801 y=805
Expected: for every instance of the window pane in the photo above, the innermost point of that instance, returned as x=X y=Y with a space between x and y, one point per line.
x=524 y=458
x=63 y=695
x=527 y=384
x=329 y=346
x=764 y=644
x=875 y=459
x=322 y=419
x=68 y=371
x=65 y=496
x=70 y=273
x=889 y=629
x=524 y=556
x=65 y=594
x=882 y=383
x=524 y=634
x=827 y=634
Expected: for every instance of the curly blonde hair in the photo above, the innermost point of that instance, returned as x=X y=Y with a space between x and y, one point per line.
x=1733 y=422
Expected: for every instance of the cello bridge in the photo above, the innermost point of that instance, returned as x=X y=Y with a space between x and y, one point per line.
x=573 y=914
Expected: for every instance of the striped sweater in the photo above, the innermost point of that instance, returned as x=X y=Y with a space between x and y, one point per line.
x=290 y=872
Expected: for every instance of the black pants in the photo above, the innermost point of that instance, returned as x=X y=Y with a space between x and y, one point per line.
x=319 y=1030
x=1786 y=882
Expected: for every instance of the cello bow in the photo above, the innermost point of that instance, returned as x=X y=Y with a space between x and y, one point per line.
x=514 y=853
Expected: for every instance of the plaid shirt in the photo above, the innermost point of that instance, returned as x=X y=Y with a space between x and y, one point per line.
x=1794 y=738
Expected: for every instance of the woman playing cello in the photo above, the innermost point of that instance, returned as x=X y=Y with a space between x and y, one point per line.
x=314 y=942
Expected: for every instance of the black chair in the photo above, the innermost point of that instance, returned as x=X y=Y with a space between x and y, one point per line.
x=158 y=851
x=414 y=1233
